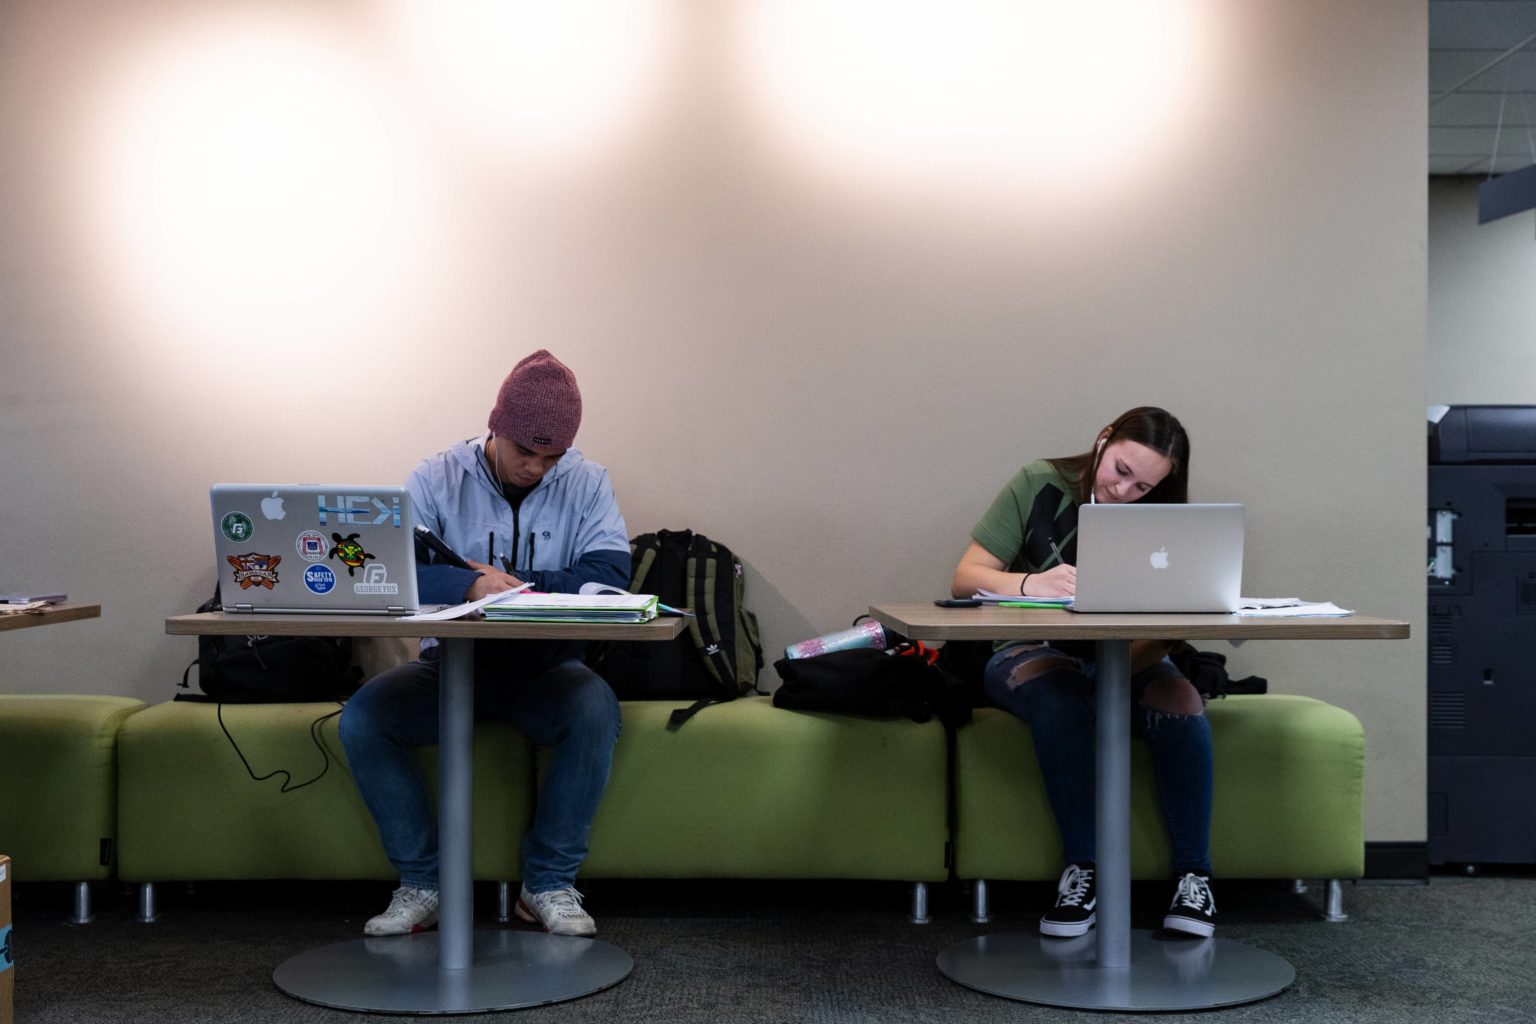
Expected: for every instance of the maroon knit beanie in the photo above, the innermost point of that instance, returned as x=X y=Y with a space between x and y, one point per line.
x=539 y=405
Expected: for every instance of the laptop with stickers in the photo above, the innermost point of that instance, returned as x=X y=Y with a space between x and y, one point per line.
x=1159 y=558
x=295 y=548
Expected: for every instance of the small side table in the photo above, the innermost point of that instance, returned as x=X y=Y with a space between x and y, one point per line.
x=1116 y=968
x=67 y=611
x=456 y=969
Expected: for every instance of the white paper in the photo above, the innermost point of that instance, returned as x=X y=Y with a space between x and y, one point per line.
x=459 y=611
x=1313 y=609
x=1268 y=602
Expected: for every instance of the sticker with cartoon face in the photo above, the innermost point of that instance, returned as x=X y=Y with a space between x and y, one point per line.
x=253 y=570
x=237 y=526
x=349 y=552
x=311 y=546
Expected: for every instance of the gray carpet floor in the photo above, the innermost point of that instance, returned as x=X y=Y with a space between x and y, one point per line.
x=1456 y=950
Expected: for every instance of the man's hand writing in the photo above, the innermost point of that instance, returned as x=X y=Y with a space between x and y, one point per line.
x=490 y=581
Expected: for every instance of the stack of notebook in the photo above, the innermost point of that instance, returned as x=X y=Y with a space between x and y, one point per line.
x=573 y=608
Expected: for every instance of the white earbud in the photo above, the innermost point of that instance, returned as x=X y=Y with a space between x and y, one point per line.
x=1097 y=449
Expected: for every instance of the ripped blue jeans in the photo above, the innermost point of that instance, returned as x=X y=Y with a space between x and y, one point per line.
x=1058 y=705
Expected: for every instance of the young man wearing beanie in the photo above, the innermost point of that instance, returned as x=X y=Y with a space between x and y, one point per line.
x=520 y=505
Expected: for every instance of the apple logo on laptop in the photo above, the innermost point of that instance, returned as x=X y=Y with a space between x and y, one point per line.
x=272 y=507
x=1159 y=558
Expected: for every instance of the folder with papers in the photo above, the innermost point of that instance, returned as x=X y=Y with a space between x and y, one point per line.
x=573 y=608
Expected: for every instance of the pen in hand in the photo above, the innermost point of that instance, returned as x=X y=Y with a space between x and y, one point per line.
x=1057 y=552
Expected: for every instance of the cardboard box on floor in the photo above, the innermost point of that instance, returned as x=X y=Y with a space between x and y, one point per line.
x=7 y=976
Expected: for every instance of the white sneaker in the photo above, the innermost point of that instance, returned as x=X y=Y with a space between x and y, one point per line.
x=557 y=911
x=410 y=910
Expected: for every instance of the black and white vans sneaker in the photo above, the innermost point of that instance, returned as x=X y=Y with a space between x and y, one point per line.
x=1193 y=910
x=1076 y=899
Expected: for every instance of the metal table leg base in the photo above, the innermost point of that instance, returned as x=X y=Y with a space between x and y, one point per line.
x=1164 y=974
x=508 y=970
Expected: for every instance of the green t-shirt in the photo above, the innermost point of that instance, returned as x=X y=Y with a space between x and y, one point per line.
x=1032 y=510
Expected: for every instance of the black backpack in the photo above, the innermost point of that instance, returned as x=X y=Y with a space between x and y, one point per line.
x=904 y=682
x=718 y=655
x=270 y=669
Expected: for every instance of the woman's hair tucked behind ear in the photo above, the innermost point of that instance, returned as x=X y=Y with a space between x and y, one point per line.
x=1148 y=425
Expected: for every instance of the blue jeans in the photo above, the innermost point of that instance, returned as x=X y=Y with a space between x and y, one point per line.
x=1059 y=708
x=567 y=707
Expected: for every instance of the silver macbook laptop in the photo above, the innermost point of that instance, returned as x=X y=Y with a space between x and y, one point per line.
x=1159 y=558
x=294 y=548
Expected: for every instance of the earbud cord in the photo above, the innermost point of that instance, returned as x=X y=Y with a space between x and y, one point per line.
x=1093 y=474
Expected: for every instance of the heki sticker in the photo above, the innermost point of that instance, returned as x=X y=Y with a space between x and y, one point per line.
x=349 y=552
x=319 y=579
x=375 y=581
x=359 y=510
x=312 y=546
x=253 y=570
x=236 y=526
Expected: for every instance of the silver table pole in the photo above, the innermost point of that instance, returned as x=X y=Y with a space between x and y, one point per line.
x=1116 y=969
x=456 y=969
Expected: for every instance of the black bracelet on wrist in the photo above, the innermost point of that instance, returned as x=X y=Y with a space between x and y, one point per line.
x=1024 y=581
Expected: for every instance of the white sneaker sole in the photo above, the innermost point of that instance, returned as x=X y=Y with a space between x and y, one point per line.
x=525 y=913
x=374 y=932
x=1057 y=930
x=1189 y=926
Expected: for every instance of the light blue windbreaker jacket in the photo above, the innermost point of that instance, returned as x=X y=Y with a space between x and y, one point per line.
x=567 y=531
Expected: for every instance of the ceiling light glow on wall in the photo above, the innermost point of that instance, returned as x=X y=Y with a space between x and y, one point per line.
x=1006 y=89
x=243 y=183
x=535 y=78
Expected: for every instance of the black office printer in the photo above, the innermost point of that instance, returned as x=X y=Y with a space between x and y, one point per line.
x=1482 y=635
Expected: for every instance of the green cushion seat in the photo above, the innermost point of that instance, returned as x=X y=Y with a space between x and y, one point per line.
x=1288 y=802
x=58 y=812
x=189 y=809
x=747 y=790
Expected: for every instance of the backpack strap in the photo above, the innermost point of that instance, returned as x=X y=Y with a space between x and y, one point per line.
x=682 y=715
x=645 y=546
x=704 y=627
x=705 y=624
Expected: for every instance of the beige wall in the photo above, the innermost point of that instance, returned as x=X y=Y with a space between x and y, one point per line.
x=825 y=342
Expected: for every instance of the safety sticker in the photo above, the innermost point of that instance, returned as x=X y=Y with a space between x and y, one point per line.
x=319 y=579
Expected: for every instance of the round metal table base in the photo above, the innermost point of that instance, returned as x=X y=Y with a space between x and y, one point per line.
x=1166 y=973
x=509 y=970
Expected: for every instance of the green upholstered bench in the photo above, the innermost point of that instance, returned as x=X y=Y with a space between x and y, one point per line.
x=747 y=790
x=190 y=809
x=58 y=816
x=1288 y=799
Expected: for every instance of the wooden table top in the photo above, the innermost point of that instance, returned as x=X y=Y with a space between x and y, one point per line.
x=67 y=611
x=278 y=624
x=927 y=621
